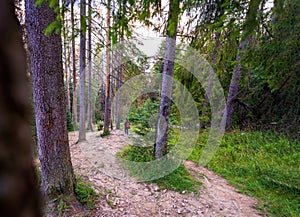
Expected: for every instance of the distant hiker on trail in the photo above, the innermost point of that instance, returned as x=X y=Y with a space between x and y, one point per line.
x=126 y=126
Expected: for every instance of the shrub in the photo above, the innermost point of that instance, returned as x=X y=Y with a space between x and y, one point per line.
x=100 y=125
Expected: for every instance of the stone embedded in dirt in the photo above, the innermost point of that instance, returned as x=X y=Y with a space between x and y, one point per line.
x=199 y=212
x=183 y=211
x=166 y=212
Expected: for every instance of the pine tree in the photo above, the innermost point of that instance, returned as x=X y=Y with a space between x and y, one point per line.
x=165 y=102
x=49 y=100
x=82 y=115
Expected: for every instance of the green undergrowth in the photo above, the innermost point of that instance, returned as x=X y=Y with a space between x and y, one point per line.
x=262 y=165
x=85 y=194
x=179 y=180
x=105 y=133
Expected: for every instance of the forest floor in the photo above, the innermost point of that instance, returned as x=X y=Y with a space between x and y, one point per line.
x=95 y=161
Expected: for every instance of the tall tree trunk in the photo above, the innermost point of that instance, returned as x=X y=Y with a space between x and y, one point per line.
x=249 y=26
x=165 y=101
x=90 y=119
x=67 y=79
x=112 y=93
x=102 y=100
x=64 y=35
x=234 y=85
x=49 y=100
x=208 y=90
x=19 y=195
x=119 y=84
x=82 y=69
x=74 y=65
x=219 y=12
x=107 y=110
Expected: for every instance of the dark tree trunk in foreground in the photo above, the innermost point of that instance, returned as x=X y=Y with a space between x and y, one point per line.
x=19 y=195
x=82 y=69
x=107 y=109
x=166 y=92
x=49 y=101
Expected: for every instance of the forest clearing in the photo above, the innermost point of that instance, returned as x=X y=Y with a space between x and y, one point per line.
x=149 y=108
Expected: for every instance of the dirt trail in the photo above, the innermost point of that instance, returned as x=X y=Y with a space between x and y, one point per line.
x=128 y=198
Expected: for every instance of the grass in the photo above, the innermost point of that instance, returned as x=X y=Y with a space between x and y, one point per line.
x=262 y=165
x=179 y=180
x=105 y=133
x=85 y=194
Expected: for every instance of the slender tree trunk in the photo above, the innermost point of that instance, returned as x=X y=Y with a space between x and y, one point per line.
x=119 y=84
x=165 y=102
x=82 y=69
x=90 y=116
x=74 y=64
x=49 y=101
x=249 y=27
x=102 y=100
x=19 y=195
x=208 y=90
x=112 y=93
x=67 y=80
x=107 y=110
x=66 y=60
x=234 y=85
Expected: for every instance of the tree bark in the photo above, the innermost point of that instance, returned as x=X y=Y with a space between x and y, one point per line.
x=119 y=84
x=19 y=195
x=49 y=101
x=107 y=110
x=82 y=133
x=165 y=101
x=234 y=85
x=208 y=90
x=90 y=114
x=64 y=34
x=74 y=65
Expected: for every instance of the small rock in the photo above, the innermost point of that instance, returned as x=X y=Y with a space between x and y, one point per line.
x=166 y=212
x=199 y=212
x=182 y=211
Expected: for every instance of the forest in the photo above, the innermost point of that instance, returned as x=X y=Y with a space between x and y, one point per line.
x=149 y=108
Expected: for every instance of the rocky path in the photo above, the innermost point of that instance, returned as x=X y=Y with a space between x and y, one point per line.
x=121 y=196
